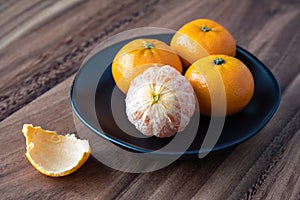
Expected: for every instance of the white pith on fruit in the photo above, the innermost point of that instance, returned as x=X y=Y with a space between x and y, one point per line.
x=160 y=102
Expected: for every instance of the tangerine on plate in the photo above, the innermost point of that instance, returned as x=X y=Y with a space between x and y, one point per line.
x=138 y=55
x=200 y=38
x=235 y=78
x=160 y=102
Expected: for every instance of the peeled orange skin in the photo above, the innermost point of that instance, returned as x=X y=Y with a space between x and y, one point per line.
x=52 y=154
x=200 y=38
x=236 y=77
x=160 y=102
x=141 y=53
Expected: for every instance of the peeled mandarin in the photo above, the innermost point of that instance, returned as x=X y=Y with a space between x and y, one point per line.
x=160 y=102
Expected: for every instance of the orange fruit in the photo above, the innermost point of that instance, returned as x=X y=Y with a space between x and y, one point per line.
x=52 y=154
x=200 y=38
x=215 y=74
x=160 y=102
x=138 y=55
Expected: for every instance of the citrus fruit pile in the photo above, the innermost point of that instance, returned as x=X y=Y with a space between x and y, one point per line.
x=160 y=80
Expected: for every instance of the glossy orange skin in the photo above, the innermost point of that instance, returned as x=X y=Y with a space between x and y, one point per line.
x=138 y=55
x=231 y=77
x=200 y=38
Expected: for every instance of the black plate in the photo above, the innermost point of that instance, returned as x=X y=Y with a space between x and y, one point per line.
x=92 y=90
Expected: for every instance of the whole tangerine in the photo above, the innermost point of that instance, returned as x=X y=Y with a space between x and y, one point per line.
x=136 y=56
x=200 y=38
x=214 y=74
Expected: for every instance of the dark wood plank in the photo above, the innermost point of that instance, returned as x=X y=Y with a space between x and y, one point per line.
x=281 y=180
x=44 y=58
x=16 y=171
x=49 y=51
x=33 y=63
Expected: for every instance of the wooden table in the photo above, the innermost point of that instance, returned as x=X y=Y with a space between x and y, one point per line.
x=42 y=44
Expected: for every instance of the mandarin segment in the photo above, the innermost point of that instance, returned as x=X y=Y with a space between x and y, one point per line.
x=160 y=102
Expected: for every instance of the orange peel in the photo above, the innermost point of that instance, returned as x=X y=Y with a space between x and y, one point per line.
x=52 y=154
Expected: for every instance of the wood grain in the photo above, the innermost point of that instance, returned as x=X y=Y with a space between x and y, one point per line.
x=44 y=42
x=282 y=176
x=35 y=70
